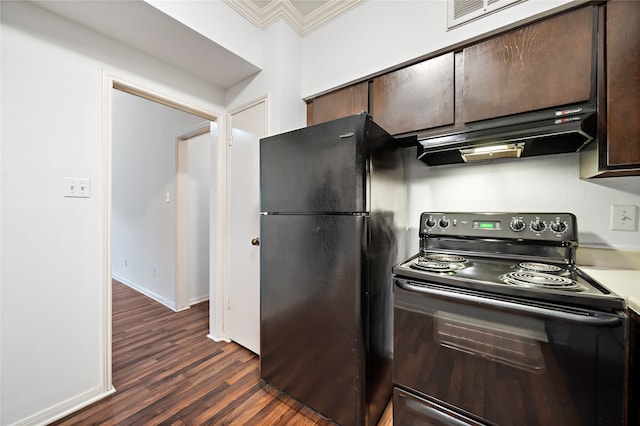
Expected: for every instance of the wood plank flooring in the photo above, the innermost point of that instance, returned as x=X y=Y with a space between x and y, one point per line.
x=167 y=372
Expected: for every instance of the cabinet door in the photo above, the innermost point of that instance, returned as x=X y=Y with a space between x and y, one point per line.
x=623 y=83
x=415 y=98
x=340 y=103
x=543 y=65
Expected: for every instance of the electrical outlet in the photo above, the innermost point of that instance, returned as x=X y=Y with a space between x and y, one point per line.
x=77 y=187
x=623 y=218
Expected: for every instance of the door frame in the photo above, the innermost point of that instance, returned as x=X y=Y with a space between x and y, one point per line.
x=109 y=83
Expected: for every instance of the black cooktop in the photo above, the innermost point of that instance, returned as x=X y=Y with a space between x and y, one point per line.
x=523 y=255
x=558 y=283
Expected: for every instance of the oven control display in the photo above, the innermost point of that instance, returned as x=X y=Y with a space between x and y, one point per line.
x=487 y=224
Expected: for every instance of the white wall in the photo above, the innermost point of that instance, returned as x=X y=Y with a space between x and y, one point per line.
x=199 y=196
x=280 y=79
x=144 y=173
x=52 y=309
x=380 y=34
x=218 y=22
x=534 y=184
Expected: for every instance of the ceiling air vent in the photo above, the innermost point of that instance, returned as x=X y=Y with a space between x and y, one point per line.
x=461 y=11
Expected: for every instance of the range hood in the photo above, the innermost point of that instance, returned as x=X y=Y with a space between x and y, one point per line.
x=539 y=133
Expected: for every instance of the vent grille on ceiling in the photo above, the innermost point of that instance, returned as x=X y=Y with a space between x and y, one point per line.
x=461 y=11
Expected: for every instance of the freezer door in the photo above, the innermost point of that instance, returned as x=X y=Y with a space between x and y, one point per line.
x=312 y=327
x=318 y=169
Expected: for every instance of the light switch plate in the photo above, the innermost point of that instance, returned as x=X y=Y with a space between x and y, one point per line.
x=624 y=218
x=76 y=187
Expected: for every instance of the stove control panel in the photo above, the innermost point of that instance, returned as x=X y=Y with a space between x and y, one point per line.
x=521 y=226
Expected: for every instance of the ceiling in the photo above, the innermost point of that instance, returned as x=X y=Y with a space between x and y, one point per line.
x=303 y=16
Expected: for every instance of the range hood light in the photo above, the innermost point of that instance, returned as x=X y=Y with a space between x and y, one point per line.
x=492 y=152
x=489 y=148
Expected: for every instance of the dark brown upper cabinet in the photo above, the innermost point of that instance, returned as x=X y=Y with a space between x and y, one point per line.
x=623 y=82
x=340 y=103
x=417 y=97
x=542 y=65
x=616 y=152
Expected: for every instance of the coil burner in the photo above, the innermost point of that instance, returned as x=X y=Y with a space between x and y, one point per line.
x=539 y=267
x=440 y=262
x=541 y=280
x=441 y=257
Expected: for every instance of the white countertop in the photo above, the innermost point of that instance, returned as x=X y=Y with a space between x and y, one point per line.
x=624 y=282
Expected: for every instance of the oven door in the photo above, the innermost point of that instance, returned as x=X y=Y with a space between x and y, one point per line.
x=502 y=361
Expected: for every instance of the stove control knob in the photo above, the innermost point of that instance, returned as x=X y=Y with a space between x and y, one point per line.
x=431 y=222
x=443 y=223
x=559 y=227
x=517 y=225
x=537 y=225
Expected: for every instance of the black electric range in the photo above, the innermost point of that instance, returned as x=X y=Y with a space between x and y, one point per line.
x=494 y=324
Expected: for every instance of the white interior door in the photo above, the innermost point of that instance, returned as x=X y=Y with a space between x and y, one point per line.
x=247 y=125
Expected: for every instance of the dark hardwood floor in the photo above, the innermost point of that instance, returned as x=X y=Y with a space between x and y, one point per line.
x=167 y=372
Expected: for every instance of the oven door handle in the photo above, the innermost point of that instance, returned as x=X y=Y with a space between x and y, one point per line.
x=587 y=318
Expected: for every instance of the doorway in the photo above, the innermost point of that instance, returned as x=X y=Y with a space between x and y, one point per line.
x=146 y=199
x=217 y=205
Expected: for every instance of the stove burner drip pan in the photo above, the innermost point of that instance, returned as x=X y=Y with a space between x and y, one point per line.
x=540 y=280
x=440 y=257
x=432 y=266
x=539 y=267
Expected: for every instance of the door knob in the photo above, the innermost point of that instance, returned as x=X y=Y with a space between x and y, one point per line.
x=255 y=242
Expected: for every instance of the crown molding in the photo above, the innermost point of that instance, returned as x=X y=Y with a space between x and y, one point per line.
x=328 y=12
x=303 y=25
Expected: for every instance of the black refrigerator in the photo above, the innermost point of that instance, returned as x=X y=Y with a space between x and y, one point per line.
x=332 y=201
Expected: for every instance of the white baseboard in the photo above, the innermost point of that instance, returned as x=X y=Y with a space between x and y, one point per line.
x=200 y=299
x=150 y=294
x=65 y=408
x=218 y=339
